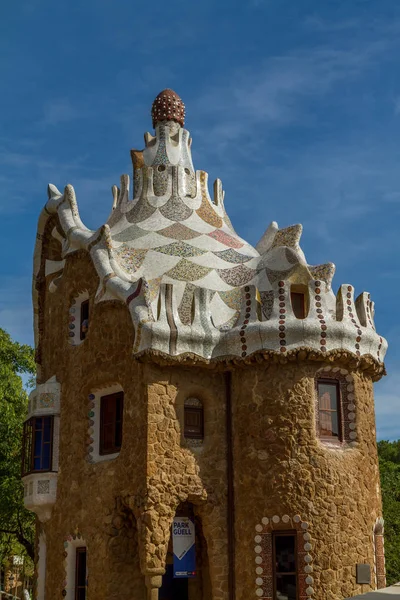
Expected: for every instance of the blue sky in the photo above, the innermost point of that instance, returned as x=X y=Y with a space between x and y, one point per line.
x=294 y=104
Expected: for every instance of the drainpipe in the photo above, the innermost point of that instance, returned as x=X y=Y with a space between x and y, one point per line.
x=230 y=488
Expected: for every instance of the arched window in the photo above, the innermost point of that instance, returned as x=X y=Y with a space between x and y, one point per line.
x=193 y=419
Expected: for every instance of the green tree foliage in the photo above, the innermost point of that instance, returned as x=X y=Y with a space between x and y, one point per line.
x=16 y=523
x=389 y=464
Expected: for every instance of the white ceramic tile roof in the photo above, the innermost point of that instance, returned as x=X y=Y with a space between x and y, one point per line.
x=192 y=285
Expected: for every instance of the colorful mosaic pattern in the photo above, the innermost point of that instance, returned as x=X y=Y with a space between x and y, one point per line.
x=178 y=231
x=130 y=258
x=226 y=239
x=188 y=271
x=290 y=237
x=206 y=211
x=237 y=276
x=180 y=249
x=47 y=400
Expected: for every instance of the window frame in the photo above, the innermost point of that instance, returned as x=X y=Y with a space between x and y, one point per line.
x=194 y=410
x=79 y=551
x=333 y=382
x=28 y=439
x=285 y=533
x=114 y=449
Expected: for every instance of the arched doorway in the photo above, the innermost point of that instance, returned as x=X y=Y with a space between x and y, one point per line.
x=193 y=588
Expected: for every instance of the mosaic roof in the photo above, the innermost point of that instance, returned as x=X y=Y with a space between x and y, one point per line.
x=192 y=284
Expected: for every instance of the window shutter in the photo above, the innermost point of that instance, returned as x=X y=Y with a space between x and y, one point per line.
x=193 y=422
x=111 y=416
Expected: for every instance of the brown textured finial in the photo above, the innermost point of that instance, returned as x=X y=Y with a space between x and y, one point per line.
x=168 y=106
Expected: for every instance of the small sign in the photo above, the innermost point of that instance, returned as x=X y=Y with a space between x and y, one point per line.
x=363 y=574
x=184 y=547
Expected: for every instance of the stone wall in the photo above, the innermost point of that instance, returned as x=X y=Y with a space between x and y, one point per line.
x=124 y=508
x=281 y=468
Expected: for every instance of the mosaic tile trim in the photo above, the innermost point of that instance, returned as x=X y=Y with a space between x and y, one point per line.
x=225 y=238
x=369 y=311
x=282 y=294
x=232 y=256
x=348 y=408
x=379 y=347
x=161 y=157
x=153 y=287
x=140 y=212
x=237 y=276
x=264 y=555
x=188 y=271
x=136 y=182
x=324 y=272
x=71 y=542
x=243 y=327
x=267 y=303
x=320 y=316
x=185 y=307
x=379 y=554
x=136 y=293
x=173 y=338
x=90 y=439
x=43 y=486
x=186 y=158
x=178 y=231
x=190 y=181
x=47 y=400
x=207 y=342
x=131 y=259
x=350 y=308
x=289 y=236
x=160 y=180
x=133 y=232
x=274 y=276
x=291 y=256
x=232 y=298
x=206 y=211
x=180 y=249
x=175 y=209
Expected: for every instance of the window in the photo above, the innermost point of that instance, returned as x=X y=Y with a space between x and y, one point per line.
x=298 y=304
x=194 y=419
x=80 y=574
x=37 y=445
x=284 y=565
x=84 y=319
x=111 y=413
x=329 y=409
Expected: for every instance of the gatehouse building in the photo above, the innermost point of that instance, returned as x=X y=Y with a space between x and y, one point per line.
x=203 y=424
